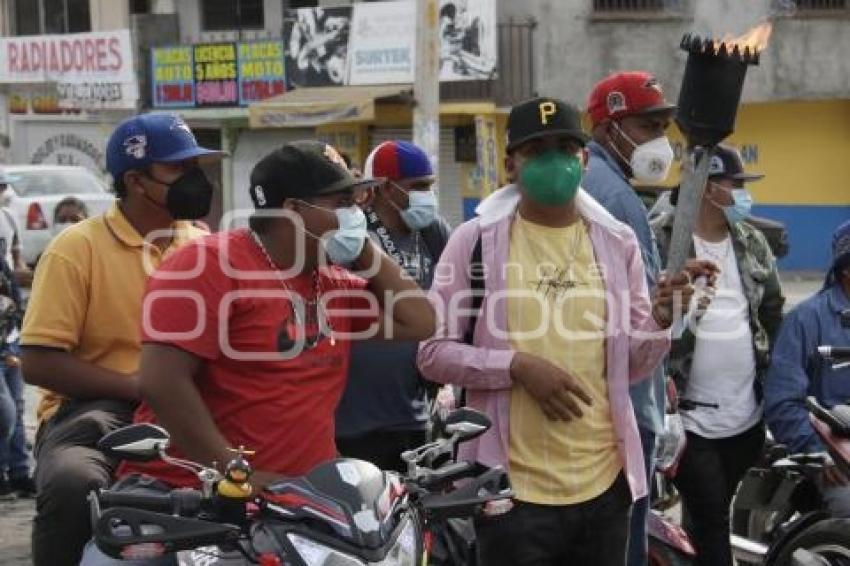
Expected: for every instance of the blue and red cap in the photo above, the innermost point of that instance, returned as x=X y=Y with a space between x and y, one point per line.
x=145 y=139
x=398 y=160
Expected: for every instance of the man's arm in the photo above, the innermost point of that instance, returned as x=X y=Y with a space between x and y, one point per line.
x=166 y=383
x=411 y=315
x=770 y=310
x=52 y=327
x=445 y=358
x=787 y=384
x=64 y=373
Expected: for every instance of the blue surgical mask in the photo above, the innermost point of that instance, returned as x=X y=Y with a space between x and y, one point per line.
x=346 y=243
x=739 y=210
x=421 y=209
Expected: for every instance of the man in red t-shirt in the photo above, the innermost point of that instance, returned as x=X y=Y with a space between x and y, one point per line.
x=247 y=332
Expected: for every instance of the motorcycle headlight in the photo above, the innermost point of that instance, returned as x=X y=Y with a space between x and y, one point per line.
x=403 y=552
x=316 y=554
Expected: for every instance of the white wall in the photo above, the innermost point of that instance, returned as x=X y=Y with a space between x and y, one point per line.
x=807 y=58
x=109 y=14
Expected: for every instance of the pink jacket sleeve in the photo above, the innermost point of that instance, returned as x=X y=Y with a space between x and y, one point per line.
x=648 y=342
x=445 y=358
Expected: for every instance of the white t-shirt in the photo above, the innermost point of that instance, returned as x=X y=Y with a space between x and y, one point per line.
x=724 y=365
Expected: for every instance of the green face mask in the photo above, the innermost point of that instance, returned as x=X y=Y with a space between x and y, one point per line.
x=551 y=178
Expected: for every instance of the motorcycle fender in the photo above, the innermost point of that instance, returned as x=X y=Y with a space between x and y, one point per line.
x=792 y=531
x=762 y=489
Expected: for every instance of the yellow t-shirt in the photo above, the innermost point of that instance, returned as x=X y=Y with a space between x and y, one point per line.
x=87 y=294
x=556 y=310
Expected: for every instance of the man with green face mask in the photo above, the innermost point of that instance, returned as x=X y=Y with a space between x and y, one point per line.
x=565 y=324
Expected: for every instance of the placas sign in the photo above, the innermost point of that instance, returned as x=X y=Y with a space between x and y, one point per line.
x=217 y=74
x=261 y=71
x=173 y=78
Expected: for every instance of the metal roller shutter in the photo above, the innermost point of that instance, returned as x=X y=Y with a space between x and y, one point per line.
x=449 y=177
x=251 y=146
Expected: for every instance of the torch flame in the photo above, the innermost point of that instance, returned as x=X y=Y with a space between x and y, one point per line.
x=755 y=39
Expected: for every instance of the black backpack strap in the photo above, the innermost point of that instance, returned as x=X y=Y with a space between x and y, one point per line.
x=436 y=236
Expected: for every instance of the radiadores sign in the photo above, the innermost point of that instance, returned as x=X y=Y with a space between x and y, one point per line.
x=90 y=70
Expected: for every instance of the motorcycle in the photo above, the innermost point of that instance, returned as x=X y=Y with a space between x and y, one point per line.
x=343 y=513
x=778 y=516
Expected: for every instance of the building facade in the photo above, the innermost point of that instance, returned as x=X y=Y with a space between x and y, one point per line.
x=793 y=125
x=794 y=122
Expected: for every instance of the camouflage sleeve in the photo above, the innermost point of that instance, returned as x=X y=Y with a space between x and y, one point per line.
x=770 y=310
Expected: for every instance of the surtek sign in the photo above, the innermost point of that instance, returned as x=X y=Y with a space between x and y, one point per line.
x=89 y=69
x=216 y=77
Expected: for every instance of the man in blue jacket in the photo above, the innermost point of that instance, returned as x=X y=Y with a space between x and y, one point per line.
x=796 y=369
x=630 y=116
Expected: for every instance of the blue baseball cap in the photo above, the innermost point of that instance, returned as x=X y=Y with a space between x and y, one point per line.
x=145 y=139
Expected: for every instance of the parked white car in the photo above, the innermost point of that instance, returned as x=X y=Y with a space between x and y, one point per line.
x=36 y=192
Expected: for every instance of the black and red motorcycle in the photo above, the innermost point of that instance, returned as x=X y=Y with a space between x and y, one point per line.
x=343 y=513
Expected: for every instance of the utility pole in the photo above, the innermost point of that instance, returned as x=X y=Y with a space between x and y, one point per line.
x=426 y=87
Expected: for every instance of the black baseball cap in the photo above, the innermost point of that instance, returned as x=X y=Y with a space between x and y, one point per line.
x=301 y=169
x=727 y=163
x=543 y=116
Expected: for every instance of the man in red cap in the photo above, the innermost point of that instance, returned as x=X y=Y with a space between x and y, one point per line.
x=629 y=116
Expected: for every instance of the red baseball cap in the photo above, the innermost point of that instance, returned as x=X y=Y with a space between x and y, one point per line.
x=625 y=94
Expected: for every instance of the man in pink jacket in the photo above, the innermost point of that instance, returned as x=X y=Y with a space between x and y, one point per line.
x=565 y=324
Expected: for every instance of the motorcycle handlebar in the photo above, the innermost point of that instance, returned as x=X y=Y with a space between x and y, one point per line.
x=183 y=502
x=835 y=353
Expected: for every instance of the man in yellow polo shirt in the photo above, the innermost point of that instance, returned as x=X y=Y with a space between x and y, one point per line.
x=82 y=329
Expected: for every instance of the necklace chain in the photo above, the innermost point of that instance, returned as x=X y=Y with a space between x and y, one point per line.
x=317 y=291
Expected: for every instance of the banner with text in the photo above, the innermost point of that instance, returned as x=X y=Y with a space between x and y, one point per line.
x=383 y=41
x=89 y=70
x=173 y=78
x=217 y=74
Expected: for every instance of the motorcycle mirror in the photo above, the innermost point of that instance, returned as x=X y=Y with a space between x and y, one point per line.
x=141 y=442
x=467 y=423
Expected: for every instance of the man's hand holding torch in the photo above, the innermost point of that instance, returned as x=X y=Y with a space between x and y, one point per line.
x=673 y=295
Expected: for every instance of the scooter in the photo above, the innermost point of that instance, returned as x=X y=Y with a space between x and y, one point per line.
x=778 y=516
x=343 y=513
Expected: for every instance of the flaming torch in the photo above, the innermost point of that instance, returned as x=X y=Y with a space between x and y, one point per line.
x=707 y=107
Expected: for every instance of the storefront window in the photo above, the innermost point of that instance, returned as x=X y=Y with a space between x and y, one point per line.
x=27 y=17
x=38 y=17
x=238 y=14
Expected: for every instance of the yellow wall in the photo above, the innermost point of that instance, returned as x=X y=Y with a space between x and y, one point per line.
x=803 y=148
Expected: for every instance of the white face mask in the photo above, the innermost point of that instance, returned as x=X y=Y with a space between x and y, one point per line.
x=650 y=161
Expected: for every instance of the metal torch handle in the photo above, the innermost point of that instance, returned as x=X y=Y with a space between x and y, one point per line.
x=687 y=208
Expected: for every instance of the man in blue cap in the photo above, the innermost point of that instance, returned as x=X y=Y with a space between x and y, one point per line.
x=796 y=370
x=81 y=335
